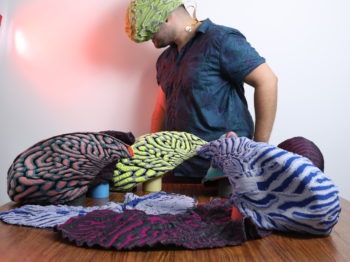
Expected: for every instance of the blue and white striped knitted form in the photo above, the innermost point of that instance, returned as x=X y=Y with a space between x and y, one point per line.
x=278 y=189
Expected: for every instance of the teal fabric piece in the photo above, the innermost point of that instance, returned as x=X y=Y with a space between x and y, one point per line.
x=213 y=174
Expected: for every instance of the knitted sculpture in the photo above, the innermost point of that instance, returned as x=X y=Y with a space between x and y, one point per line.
x=206 y=226
x=61 y=168
x=298 y=145
x=277 y=189
x=154 y=155
x=215 y=173
x=144 y=17
x=304 y=147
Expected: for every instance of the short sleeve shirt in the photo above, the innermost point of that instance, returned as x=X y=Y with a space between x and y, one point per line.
x=203 y=84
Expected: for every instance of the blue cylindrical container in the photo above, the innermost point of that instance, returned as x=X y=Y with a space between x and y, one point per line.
x=100 y=191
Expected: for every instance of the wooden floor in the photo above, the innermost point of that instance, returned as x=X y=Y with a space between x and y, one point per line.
x=31 y=244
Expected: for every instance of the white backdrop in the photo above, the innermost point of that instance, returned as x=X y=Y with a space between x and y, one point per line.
x=68 y=66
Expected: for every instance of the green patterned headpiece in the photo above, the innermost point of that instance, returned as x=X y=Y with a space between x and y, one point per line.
x=144 y=17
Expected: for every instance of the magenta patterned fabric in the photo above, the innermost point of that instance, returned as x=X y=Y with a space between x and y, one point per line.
x=62 y=168
x=306 y=148
x=206 y=226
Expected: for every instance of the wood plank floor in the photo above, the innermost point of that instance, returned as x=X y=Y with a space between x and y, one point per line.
x=18 y=243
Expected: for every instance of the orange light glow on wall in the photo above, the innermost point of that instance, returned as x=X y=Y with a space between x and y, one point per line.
x=49 y=47
x=67 y=51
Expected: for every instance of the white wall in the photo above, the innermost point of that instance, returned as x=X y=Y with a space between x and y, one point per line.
x=79 y=72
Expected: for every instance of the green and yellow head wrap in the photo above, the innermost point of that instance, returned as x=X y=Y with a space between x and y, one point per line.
x=144 y=17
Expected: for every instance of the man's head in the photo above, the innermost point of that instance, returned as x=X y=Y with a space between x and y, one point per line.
x=172 y=28
x=165 y=35
x=158 y=20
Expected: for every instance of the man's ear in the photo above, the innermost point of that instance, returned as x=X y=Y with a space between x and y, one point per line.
x=168 y=19
x=171 y=17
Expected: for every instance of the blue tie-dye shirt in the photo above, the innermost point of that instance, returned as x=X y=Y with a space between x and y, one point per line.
x=203 y=84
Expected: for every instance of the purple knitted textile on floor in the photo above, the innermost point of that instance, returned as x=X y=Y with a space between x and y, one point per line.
x=206 y=226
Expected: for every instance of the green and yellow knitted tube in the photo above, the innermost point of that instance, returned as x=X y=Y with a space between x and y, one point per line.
x=154 y=155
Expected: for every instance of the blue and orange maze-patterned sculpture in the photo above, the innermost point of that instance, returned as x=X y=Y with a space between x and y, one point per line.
x=61 y=169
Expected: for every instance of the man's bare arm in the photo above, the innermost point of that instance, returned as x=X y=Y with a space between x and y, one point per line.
x=265 y=100
x=158 y=115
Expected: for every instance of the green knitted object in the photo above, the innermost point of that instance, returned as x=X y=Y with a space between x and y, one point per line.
x=154 y=155
x=144 y=17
